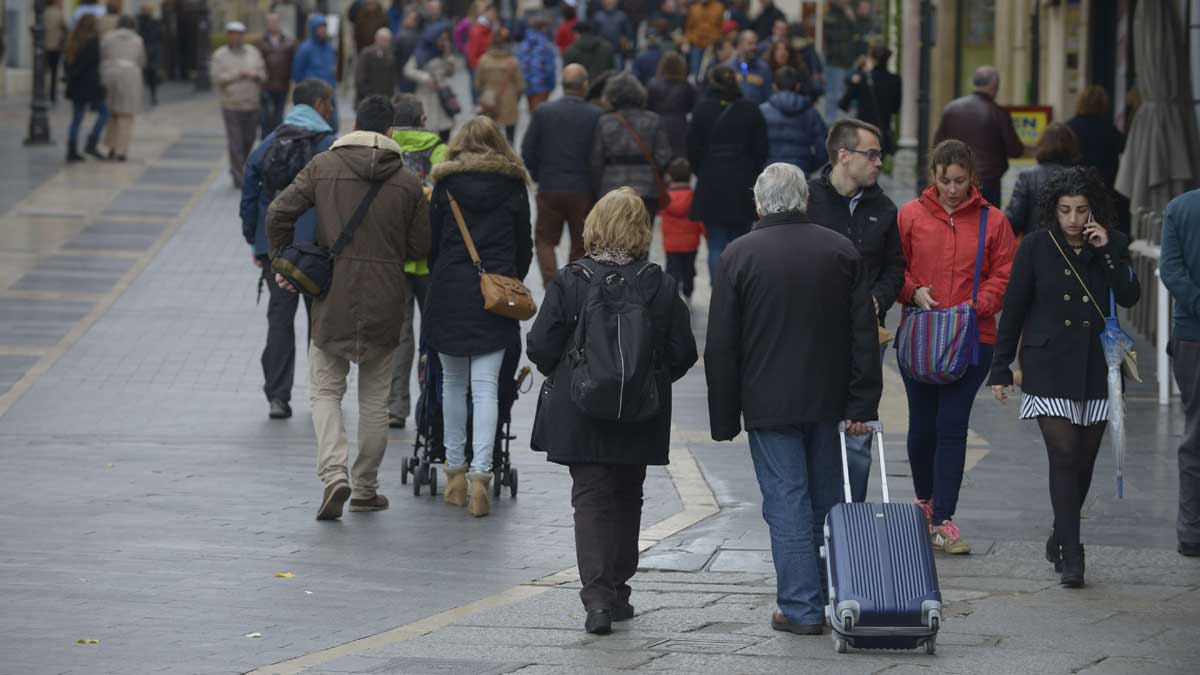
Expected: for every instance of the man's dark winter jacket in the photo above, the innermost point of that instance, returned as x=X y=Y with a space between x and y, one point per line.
x=491 y=192
x=564 y=432
x=727 y=151
x=976 y=120
x=876 y=96
x=592 y=52
x=872 y=229
x=795 y=130
x=792 y=338
x=558 y=143
x=1180 y=263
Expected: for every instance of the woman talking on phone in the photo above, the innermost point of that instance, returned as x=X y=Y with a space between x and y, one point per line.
x=1057 y=300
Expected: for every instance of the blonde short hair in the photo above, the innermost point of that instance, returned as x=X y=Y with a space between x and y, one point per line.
x=619 y=221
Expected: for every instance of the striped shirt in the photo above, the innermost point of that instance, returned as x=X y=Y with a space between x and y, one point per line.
x=1082 y=413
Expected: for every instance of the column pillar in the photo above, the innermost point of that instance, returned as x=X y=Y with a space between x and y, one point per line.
x=904 y=164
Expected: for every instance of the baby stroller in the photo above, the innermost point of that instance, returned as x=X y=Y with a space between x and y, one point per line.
x=429 y=448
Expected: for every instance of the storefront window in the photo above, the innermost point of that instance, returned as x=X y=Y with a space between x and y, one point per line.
x=976 y=40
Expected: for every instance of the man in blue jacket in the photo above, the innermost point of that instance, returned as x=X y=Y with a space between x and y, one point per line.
x=317 y=58
x=307 y=125
x=1179 y=266
x=796 y=133
x=753 y=74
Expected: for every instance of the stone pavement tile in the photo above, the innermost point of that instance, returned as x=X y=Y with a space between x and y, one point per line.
x=564 y=657
x=1119 y=665
x=736 y=664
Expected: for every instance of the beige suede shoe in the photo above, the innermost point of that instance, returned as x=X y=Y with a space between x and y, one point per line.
x=481 y=494
x=456 y=485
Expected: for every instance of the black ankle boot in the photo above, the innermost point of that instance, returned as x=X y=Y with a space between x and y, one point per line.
x=73 y=153
x=91 y=148
x=1072 y=575
x=599 y=621
x=1053 y=552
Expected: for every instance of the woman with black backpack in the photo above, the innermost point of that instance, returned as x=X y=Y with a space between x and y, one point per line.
x=611 y=336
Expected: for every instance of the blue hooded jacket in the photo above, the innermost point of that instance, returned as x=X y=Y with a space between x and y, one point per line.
x=256 y=197
x=754 y=78
x=315 y=58
x=795 y=131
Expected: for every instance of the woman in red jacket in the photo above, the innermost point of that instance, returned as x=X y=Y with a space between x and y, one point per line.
x=939 y=232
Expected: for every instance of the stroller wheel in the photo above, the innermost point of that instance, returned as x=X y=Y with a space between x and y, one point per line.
x=431 y=471
x=418 y=478
x=501 y=478
x=404 y=473
x=512 y=482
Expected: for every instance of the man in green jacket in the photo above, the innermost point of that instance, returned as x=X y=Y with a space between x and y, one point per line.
x=421 y=149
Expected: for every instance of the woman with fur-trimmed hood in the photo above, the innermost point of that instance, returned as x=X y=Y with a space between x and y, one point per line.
x=489 y=184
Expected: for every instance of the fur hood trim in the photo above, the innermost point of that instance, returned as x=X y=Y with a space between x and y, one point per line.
x=489 y=163
x=368 y=139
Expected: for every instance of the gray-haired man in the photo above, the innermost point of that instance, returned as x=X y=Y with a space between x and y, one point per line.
x=793 y=349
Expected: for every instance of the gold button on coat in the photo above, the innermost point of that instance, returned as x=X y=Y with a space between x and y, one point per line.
x=1067 y=322
x=1066 y=297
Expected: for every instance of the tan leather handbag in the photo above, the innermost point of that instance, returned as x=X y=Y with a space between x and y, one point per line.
x=502 y=295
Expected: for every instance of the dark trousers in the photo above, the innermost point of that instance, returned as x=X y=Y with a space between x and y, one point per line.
x=241 y=127
x=608 y=515
x=273 y=105
x=1072 y=451
x=554 y=209
x=682 y=268
x=719 y=236
x=399 y=399
x=150 y=77
x=990 y=189
x=279 y=356
x=52 y=59
x=937 y=434
x=77 y=111
x=1186 y=365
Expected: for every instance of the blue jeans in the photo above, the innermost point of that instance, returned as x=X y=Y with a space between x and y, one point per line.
x=938 y=415
x=858 y=458
x=720 y=236
x=835 y=86
x=77 y=112
x=482 y=373
x=799 y=474
x=695 y=58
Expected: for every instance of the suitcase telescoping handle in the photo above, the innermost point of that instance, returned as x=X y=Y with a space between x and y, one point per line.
x=877 y=429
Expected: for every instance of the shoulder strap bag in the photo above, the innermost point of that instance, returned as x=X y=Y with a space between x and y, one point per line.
x=307 y=266
x=664 y=197
x=935 y=346
x=1118 y=346
x=502 y=295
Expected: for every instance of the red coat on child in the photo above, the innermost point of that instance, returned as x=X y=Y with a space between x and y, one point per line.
x=680 y=234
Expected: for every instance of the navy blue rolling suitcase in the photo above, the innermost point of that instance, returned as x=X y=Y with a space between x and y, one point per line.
x=883 y=587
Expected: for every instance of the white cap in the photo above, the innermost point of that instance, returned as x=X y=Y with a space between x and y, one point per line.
x=235 y=27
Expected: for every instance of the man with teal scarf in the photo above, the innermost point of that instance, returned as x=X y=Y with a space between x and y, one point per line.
x=308 y=120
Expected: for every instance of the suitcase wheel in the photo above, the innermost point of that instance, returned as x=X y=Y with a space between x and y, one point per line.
x=839 y=645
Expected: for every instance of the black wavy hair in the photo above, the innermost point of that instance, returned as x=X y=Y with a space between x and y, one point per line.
x=1077 y=181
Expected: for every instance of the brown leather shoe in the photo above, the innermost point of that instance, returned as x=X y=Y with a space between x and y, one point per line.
x=336 y=494
x=376 y=503
x=780 y=622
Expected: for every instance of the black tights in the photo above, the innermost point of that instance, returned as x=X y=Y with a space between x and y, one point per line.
x=1072 y=451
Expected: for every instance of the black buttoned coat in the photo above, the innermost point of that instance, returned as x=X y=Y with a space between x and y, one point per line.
x=1061 y=354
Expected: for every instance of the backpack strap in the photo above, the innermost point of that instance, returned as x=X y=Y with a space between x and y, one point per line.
x=347 y=234
x=979 y=253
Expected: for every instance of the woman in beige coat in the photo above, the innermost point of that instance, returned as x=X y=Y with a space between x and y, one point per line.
x=122 y=58
x=431 y=67
x=500 y=84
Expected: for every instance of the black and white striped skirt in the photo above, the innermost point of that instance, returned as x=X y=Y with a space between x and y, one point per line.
x=1083 y=413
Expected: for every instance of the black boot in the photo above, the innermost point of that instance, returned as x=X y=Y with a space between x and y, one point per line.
x=73 y=152
x=91 y=147
x=599 y=621
x=1053 y=552
x=1072 y=575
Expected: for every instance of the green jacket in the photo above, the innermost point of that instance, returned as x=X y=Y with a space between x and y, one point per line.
x=421 y=149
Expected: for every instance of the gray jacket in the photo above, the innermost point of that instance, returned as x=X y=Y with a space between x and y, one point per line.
x=617 y=158
x=1023 y=208
x=557 y=143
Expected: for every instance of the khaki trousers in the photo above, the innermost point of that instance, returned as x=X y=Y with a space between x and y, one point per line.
x=326 y=387
x=119 y=133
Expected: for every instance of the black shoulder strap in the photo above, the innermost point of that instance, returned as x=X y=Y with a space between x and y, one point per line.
x=347 y=234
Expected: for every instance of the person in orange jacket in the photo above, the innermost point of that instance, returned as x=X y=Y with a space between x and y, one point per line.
x=939 y=234
x=704 y=21
x=479 y=39
x=681 y=235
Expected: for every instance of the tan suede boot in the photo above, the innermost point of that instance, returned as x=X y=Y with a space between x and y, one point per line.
x=481 y=493
x=456 y=486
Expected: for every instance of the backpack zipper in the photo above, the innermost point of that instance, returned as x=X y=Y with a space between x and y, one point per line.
x=621 y=355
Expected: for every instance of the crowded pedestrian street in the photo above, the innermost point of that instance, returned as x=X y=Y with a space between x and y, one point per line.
x=167 y=511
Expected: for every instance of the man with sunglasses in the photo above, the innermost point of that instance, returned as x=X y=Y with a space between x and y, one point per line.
x=846 y=198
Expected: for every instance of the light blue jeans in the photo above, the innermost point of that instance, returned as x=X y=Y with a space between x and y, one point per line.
x=858 y=458
x=482 y=373
x=835 y=86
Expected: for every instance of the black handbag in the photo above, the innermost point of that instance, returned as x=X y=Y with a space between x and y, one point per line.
x=449 y=100
x=308 y=266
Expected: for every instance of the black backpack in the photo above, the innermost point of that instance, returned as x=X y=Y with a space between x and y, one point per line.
x=287 y=156
x=613 y=359
x=420 y=162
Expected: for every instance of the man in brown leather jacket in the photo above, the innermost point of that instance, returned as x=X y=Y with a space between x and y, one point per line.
x=976 y=120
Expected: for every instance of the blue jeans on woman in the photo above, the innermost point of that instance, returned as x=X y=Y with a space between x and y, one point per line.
x=77 y=111
x=799 y=473
x=938 y=415
x=482 y=373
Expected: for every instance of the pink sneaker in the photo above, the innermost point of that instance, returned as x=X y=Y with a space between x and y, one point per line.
x=926 y=506
x=946 y=538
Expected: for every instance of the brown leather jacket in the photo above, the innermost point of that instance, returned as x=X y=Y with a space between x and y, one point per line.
x=977 y=121
x=278 y=56
x=361 y=317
